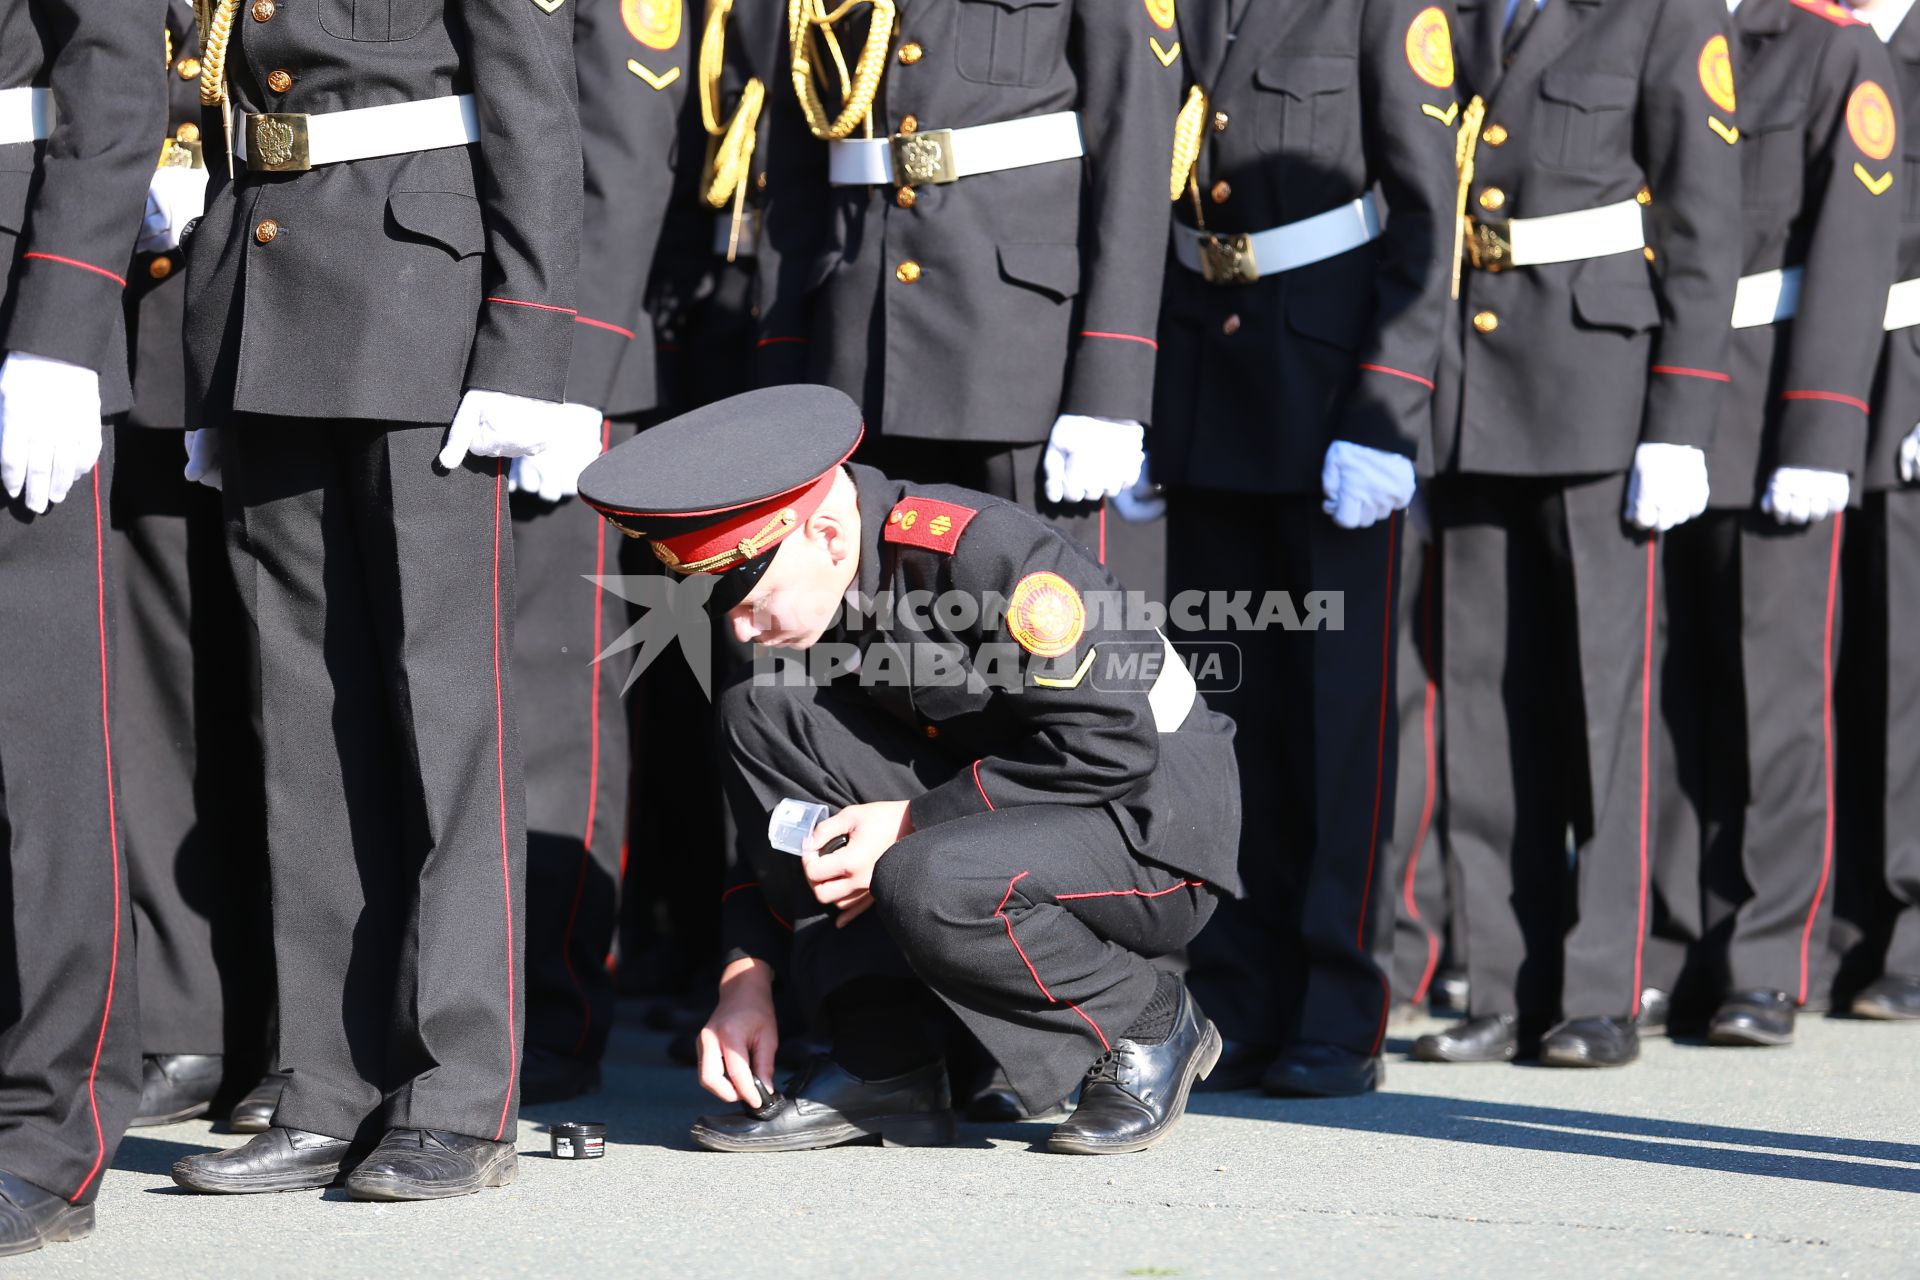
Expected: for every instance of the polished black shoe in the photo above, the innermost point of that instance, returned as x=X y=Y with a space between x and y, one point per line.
x=175 y=1087
x=277 y=1160
x=1753 y=1018
x=32 y=1216
x=254 y=1113
x=1894 y=998
x=1242 y=1063
x=995 y=1102
x=826 y=1106
x=1590 y=1042
x=1311 y=1070
x=1656 y=1007
x=1135 y=1092
x=431 y=1164
x=1494 y=1039
x=546 y=1076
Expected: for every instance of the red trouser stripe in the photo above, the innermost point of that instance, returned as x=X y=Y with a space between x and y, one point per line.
x=1432 y=782
x=1646 y=718
x=500 y=780
x=1380 y=771
x=1826 y=751
x=1000 y=914
x=593 y=763
x=113 y=844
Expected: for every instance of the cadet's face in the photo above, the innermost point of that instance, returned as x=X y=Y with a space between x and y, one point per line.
x=796 y=599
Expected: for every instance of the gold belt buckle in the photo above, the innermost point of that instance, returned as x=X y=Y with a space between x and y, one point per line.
x=1490 y=247
x=924 y=158
x=1227 y=259
x=277 y=143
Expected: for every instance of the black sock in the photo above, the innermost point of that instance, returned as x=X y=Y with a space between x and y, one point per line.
x=1155 y=1022
x=879 y=1027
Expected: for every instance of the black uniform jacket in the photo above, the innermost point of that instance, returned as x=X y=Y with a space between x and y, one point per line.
x=1310 y=106
x=635 y=67
x=1896 y=392
x=1815 y=83
x=1031 y=292
x=70 y=206
x=1572 y=364
x=384 y=287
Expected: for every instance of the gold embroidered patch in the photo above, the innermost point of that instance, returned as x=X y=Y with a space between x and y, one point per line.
x=1430 y=47
x=1728 y=133
x=1161 y=11
x=1876 y=186
x=1870 y=120
x=1716 y=74
x=659 y=80
x=1046 y=615
x=1446 y=117
x=654 y=23
x=1163 y=53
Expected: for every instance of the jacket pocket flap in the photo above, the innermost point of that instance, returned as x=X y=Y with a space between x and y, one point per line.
x=1304 y=77
x=447 y=218
x=1050 y=268
x=1616 y=304
x=1590 y=90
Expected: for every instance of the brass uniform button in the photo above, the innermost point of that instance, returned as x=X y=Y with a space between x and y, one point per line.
x=893 y=518
x=910 y=53
x=1231 y=325
x=1495 y=135
x=188 y=132
x=187 y=68
x=1220 y=119
x=161 y=267
x=266 y=231
x=1648 y=252
x=1221 y=190
x=280 y=80
x=909 y=124
x=907 y=272
x=1493 y=198
x=760 y=182
x=905 y=197
x=1486 y=322
x=933 y=731
x=263 y=10
x=1644 y=195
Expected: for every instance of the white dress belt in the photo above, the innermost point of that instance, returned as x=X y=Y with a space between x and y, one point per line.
x=1173 y=691
x=932 y=156
x=1767 y=297
x=26 y=114
x=1240 y=259
x=1903 y=305
x=362 y=133
x=1576 y=236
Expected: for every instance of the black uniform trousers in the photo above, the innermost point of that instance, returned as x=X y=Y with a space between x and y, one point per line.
x=69 y=1011
x=189 y=761
x=1295 y=959
x=1547 y=641
x=1754 y=749
x=573 y=739
x=1033 y=924
x=382 y=591
x=1411 y=953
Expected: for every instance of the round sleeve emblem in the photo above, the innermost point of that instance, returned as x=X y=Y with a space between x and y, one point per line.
x=1870 y=120
x=1716 y=74
x=654 y=23
x=1161 y=11
x=1430 y=47
x=1046 y=615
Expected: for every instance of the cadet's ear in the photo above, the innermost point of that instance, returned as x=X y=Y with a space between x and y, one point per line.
x=832 y=531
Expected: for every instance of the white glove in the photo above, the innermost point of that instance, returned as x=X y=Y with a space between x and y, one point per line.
x=493 y=424
x=1910 y=457
x=1364 y=486
x=203 y=457
x=49 y=427
x=1668 y=486
x=175 y=197
x=1092 y=458
x=555 y=474
x=1797 y=495
x=1143 y=501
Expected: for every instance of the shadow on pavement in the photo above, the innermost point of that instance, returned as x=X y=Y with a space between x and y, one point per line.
x=142 y=1154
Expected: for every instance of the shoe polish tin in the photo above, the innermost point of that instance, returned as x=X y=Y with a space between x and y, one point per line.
x=578 y=1141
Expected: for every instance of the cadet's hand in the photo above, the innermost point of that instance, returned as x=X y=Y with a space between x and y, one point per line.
x=844 y=878
x=493 y=424
x=1798 y=495
x=1910 y=457
x=1668 y=486
x=1143 y=501
x=1363 y=486
x=1092 y=458
x=738 y=1042
x=555 y=474
x=175 y=197
x=203 y=457
x=49 y=427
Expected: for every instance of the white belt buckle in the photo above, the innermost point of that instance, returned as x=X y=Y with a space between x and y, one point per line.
x=923 y=159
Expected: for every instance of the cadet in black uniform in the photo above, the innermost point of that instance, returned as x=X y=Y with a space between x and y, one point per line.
x=1575 y=402
x=1298 y=342
x=395 y=252
x=80 y=112
x=1027 y=827
x=1754 y=586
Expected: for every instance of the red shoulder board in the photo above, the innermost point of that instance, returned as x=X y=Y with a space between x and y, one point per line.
x=1838 y=14
x=923 y=522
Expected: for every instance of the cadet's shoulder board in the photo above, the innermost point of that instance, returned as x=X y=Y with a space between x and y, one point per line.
x=1046 y=615
x=1430 y=47
x=1870 y=124
x=654 y=23
x=1716 y=77
x=1838 y=14
x=1161 y=12
x=924 y=522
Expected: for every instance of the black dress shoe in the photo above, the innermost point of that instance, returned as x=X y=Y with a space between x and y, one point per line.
x=277 y=1160
x=1494 y=1039
x=1310 y=1070
x=546 y=1076
x=32 y=1216
x=1894 y=998
x=431 y=1164
x=1590 y=1042
x=1135 y=1092
x=995 y=1102
x=1753 y=1018
x=825 y=1106
x=254 y=1113
x=1656 y=1007
x=1241 y=1064
x=176 y=1086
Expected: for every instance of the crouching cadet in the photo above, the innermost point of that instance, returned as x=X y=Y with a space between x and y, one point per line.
x=1028 y=799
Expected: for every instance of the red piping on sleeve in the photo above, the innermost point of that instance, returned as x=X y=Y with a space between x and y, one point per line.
x=75 y=262
x=774 y=342
x=1398 y=373
x=1833 y=397
x=982 y=790
x=1120 y=337
x=1680 y=371
x=602 y=324
x=537 y=306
